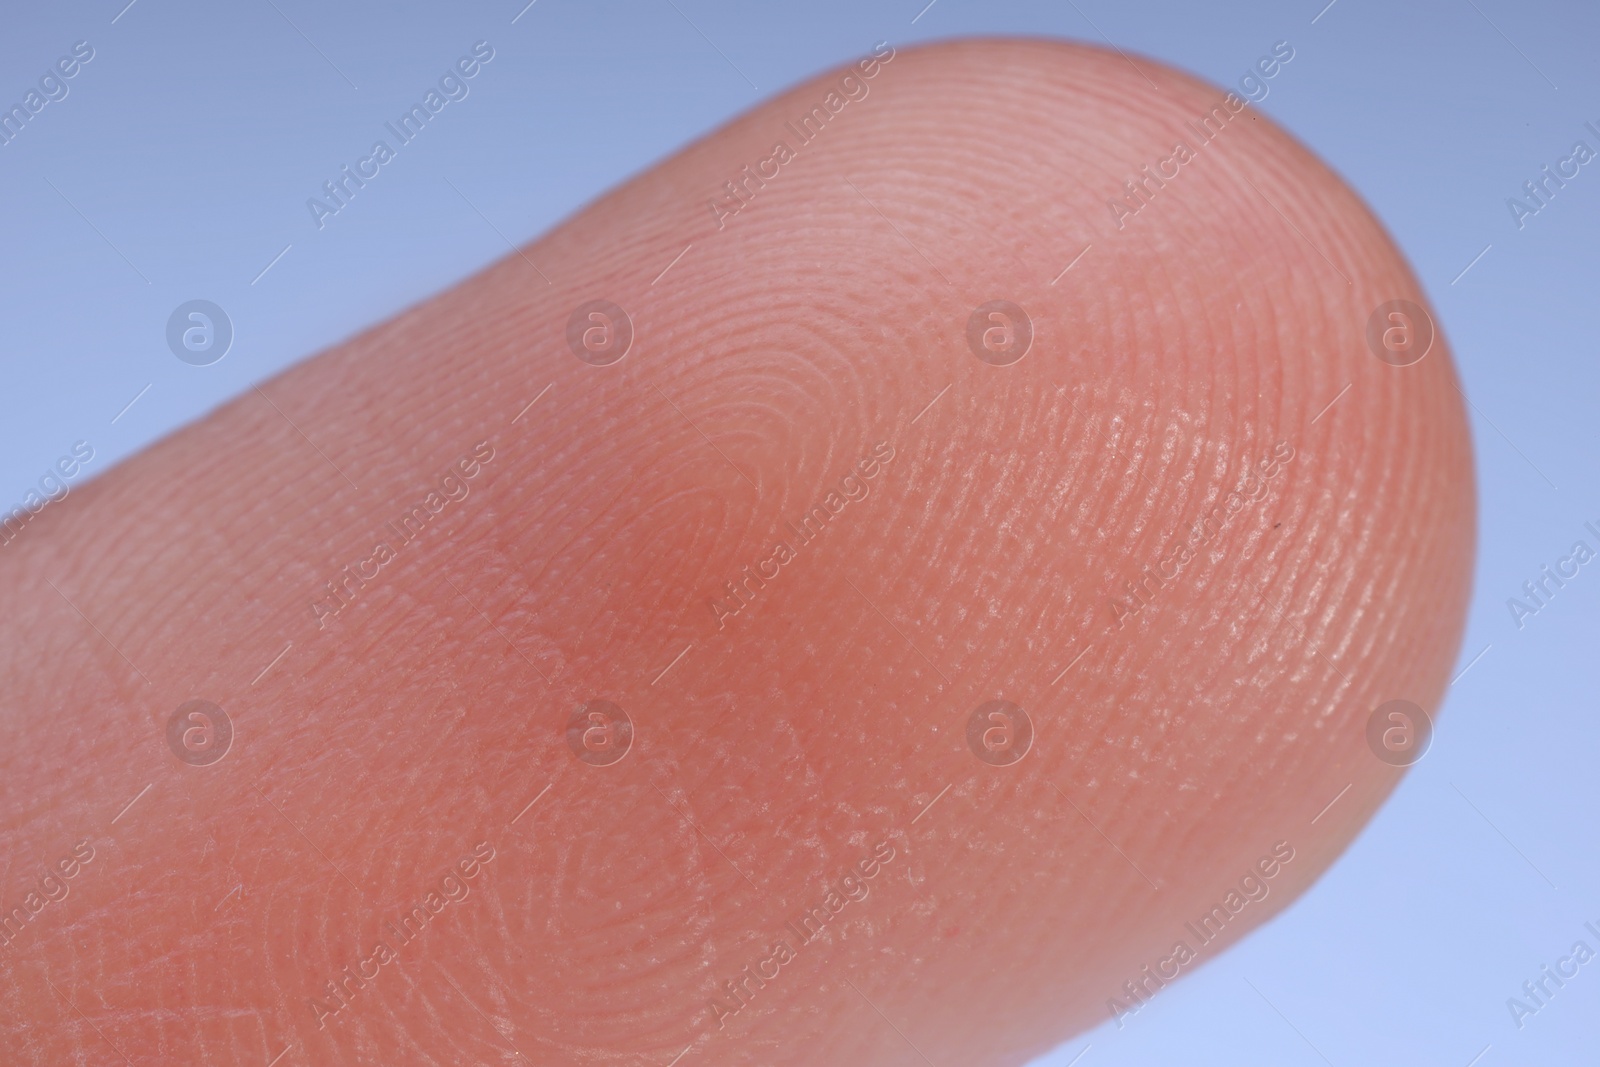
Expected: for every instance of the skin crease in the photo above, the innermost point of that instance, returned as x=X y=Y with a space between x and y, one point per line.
x=771 y=752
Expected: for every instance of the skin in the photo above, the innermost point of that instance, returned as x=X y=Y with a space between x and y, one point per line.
x=1172 y=749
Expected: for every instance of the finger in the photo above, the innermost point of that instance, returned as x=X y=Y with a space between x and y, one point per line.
x=801 y=530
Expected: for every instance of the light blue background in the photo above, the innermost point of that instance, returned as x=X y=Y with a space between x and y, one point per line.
x=192 y=140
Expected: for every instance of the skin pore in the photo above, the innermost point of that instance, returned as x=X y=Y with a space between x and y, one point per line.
x=1196 y=533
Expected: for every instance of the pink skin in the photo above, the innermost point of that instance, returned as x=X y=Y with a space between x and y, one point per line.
x=809 y=750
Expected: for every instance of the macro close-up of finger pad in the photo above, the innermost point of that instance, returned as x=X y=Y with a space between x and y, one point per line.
x=932 y=537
